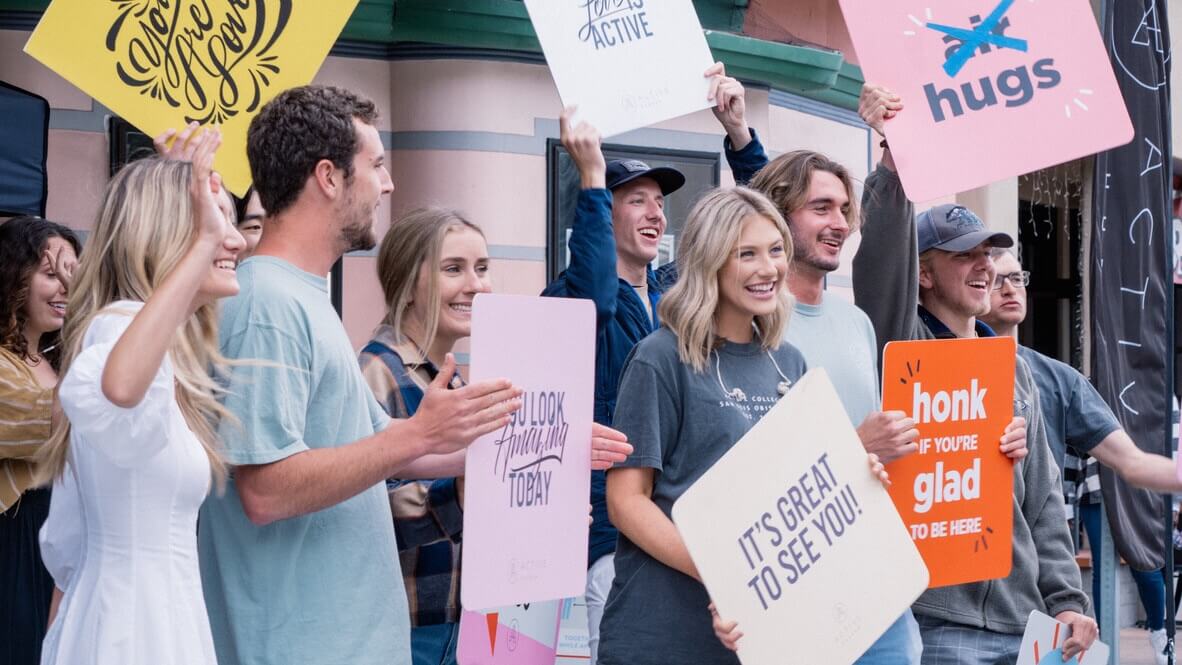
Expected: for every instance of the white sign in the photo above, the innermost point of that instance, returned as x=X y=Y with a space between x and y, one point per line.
x=797 y=540
x=624 y=63
x=1042 y=644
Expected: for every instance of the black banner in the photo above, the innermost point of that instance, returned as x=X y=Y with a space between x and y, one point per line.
x=24 y=135
x=1131 y=267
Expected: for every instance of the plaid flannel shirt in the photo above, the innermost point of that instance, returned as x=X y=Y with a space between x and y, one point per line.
x=428 y=517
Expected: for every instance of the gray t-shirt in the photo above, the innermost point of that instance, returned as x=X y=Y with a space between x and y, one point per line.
x=680 y=423
x=1073 y=413
x=839 y=337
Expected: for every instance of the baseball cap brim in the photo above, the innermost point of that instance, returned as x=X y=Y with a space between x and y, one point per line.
x=970 y=240
x=669 y=180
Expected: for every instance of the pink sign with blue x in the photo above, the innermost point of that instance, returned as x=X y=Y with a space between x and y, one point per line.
x=990 y=89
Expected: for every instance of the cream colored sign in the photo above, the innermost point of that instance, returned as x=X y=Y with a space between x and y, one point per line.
x=797 y=540
x=162 y=64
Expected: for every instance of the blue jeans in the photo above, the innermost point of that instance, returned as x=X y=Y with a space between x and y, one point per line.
x=899 y=645
x=434 y=645
x=1151 y=585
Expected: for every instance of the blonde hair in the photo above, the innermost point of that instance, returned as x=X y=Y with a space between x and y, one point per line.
x=786 y=179
x=414 y=242
x=144 y=229
x=708 y=241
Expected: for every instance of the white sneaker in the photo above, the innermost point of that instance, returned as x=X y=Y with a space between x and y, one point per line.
x=1158 y=640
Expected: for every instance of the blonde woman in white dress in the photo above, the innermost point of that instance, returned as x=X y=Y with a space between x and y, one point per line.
x=135 y=456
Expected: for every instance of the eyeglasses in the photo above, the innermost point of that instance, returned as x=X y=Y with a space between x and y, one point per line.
x=1018 y=280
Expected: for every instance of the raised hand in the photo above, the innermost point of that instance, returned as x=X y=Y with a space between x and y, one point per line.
x=876 y=105
x=182 y=148
x=730 y=104
x=584 y=145
x=450 y=420
x=204 y=187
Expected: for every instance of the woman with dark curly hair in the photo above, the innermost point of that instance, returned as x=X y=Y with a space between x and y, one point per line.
x=36 y=259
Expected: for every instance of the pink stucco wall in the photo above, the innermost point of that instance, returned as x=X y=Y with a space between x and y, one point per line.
x=475 y=114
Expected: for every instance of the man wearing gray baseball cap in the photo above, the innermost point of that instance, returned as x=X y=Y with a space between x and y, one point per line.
x=931 y=276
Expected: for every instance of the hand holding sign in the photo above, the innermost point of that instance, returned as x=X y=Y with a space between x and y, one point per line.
x=876 y=105
x=889 y=435
x=1068 y=639
x=1013 y=442
x=608 y=447
x=583 y=143
x=730 y=105
x=182 y=146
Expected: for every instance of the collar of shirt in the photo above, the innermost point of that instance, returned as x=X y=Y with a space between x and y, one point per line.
x=941 y=331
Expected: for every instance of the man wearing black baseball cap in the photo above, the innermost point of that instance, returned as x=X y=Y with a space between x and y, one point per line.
x=619 y=224
x=943 y=258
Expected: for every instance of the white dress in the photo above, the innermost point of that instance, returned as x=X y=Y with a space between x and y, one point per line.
x=121 y=537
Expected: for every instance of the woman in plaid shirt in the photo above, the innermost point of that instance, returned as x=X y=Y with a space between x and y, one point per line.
x=431 y=266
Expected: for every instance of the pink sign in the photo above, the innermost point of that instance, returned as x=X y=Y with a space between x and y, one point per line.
x=991 y=89
x=525 y=634
x=527 y=486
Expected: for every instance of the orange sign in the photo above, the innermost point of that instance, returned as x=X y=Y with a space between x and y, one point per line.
x=956 y=494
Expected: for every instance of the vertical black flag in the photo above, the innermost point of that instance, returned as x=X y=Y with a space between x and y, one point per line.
x=1131 y=267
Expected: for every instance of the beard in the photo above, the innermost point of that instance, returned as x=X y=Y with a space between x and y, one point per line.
x=357 y=233
x=804 y=253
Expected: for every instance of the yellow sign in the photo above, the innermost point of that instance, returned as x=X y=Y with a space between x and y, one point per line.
x=161 y=64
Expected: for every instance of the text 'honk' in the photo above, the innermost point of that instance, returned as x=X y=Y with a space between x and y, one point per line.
x=945 y=406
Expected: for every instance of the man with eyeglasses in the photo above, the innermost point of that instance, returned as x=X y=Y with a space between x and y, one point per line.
x=927 y=277
x=1075 y=416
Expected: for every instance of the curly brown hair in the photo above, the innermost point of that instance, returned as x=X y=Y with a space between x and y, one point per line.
x=23 y=241
x=295 y=131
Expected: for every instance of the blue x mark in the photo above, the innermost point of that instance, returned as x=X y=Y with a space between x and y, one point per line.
x=973 y=38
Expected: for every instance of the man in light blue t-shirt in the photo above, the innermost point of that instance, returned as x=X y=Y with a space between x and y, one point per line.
x=816 y=196
x=298 y=558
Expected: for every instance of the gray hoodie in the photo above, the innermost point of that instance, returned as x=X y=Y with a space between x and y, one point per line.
x=1045 y=576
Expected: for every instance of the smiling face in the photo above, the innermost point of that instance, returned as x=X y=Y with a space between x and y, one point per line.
x=222 y=281
x=749 y=282
x=638 y=221
x=251 y=224
x=1007 y=304
x=45 y=309
x=462 y=272
x=358 y=208
x=957 y=282
x=819 y=227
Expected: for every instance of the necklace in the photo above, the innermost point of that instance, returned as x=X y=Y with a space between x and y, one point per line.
x=737 y=393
